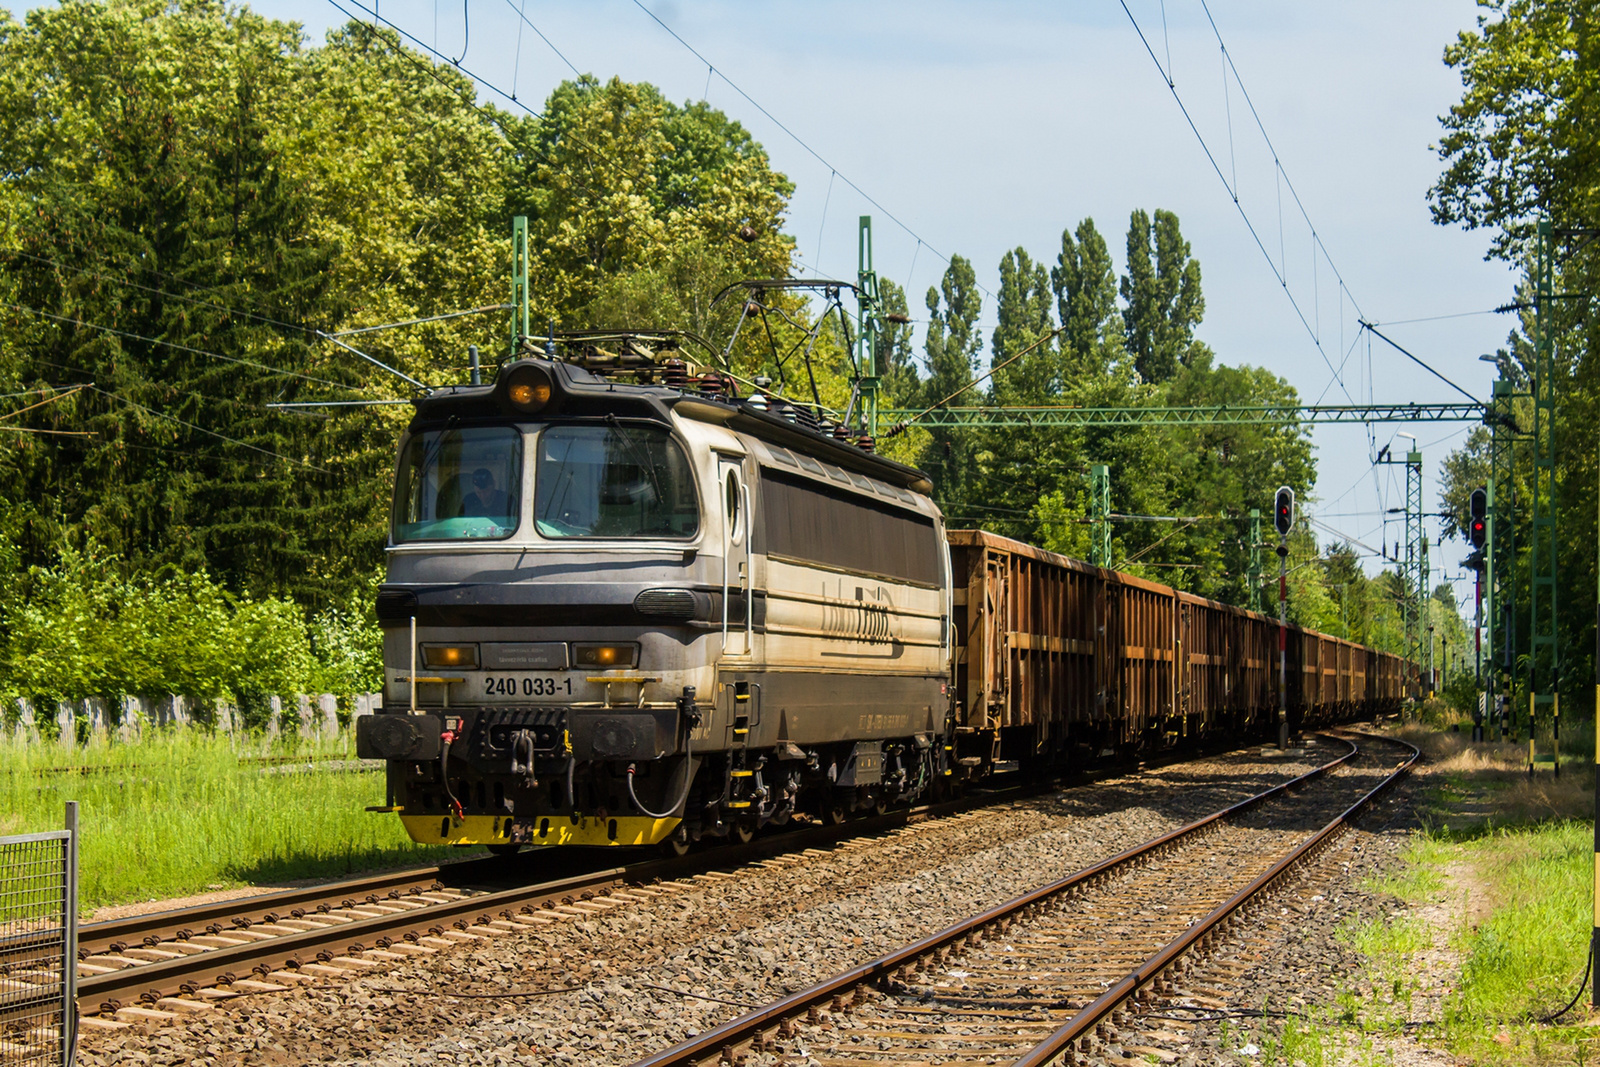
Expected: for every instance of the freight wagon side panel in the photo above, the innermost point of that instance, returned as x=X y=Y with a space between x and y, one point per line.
x=1205 y=675
x=1025 y=636
x=1143 y=646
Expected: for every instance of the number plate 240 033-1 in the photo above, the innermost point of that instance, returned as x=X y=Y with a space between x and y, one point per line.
x=522 y=685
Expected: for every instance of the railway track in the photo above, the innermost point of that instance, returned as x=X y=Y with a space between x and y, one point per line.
x=1051 y=976
x=149 y=966
x=155 y=966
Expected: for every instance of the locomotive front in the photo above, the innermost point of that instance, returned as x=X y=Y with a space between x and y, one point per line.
x=550 y=613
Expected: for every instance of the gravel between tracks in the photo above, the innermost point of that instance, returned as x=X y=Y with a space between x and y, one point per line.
x=749 y=939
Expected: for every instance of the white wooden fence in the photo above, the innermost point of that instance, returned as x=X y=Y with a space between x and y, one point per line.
x=317 y=715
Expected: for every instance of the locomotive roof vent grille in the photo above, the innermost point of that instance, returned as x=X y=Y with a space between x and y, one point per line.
x=665 y=603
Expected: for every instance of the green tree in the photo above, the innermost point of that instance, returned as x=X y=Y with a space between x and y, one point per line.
x=1162 y=292
x=147 y=143
x=1521 y=143
x=952 y=344
x=1084 y=281
x=638 y=207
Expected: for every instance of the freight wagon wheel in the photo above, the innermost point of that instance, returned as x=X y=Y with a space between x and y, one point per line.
x=503 y=850
x=833 y=815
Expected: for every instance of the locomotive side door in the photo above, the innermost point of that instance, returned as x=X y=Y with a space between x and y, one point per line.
x=733 y=497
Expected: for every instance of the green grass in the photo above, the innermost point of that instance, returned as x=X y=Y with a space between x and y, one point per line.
x=1524 y=960
x=1520 y=962
x=179 y=813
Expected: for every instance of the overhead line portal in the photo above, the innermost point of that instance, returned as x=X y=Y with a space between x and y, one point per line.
x=1059 y=416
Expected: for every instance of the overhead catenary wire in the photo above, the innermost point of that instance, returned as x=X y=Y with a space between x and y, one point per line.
x=170 y=344
x=1344 y=536
x=1419 y=362
x=1243 y=214
x=797 y=139
x=523 y=15
x=122 y=278
x=1438 y=318
x=991 y=372
x=201 y=429
x=245 y=313
x=486 y=309
x=1158 y=542
x=47 y=400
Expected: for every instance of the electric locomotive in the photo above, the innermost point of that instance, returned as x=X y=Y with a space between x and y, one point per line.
x=630 y=614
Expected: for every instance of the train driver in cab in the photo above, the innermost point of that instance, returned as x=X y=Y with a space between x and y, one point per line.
x=485 y=500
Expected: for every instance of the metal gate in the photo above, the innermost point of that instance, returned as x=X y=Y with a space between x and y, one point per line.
x=39 y=946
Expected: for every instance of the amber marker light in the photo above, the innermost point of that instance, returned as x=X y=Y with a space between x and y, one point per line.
x=525 y=388
x=462 y=656
x=529 y=394
x=604 y=655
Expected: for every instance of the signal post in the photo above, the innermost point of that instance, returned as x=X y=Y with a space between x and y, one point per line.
x=1477 y=534
x=1283 y=518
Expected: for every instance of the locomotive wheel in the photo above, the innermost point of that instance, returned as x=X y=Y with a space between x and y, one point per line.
x=676 y=844
x=503 y=850
x=741 y=832
x=833 y=815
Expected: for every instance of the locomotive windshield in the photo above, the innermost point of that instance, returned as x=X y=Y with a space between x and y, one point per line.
x=613 y=481
x=456 y=484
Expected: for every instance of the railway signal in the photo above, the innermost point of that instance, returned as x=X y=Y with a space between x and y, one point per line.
x=1283 y=519
x=1478 y=535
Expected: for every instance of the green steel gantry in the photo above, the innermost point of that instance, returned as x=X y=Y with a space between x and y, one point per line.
x=1218 y=415
x=1100 y=514
x=869 y=327
x=1255 y=559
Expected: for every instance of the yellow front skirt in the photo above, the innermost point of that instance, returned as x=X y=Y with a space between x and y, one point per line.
x=548 y=830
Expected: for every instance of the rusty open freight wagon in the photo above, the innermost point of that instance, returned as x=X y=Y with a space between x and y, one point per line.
x=1055 y=658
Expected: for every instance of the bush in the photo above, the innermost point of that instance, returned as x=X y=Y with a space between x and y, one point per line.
x=80 y=630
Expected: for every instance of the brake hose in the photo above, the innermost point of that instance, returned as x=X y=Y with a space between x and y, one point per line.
x=688 y=780
x=444 y=775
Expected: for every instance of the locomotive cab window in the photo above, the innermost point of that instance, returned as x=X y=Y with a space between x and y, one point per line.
x=731 y=496
x=459 y=484
x=613 y=482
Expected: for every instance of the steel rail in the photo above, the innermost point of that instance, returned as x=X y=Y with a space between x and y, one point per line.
x=149 y=982
x=165 y=925
x=739 y=1030
x=1080 y=1025
x=219 y=966
x=481 y=876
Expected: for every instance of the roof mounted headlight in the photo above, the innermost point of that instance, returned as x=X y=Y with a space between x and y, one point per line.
x=524 y=388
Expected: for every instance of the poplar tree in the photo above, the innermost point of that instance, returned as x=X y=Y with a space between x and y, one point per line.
x=952 y=344
x=1162 y=292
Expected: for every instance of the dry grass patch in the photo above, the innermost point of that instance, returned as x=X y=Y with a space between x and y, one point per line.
x=1482 y=783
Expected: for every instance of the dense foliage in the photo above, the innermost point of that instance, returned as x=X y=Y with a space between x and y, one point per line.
x=193 y=198
x=1523 y=145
